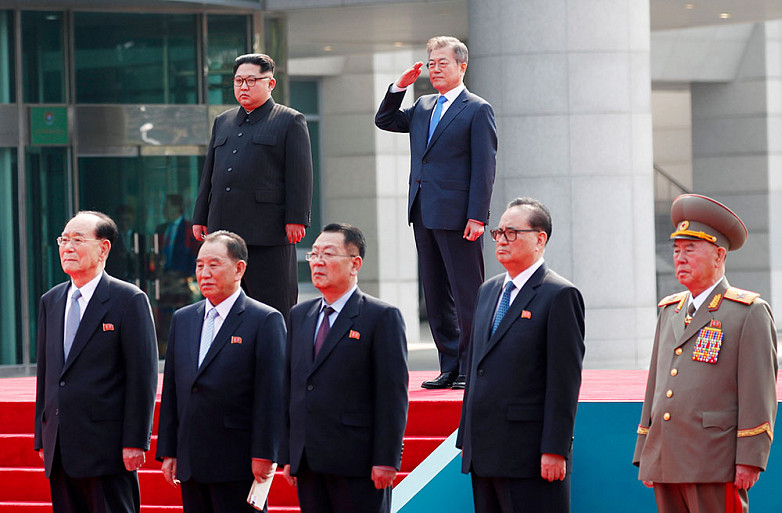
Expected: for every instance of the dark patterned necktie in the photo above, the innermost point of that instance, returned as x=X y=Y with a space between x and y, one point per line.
x=504 y=305
x=323 y=330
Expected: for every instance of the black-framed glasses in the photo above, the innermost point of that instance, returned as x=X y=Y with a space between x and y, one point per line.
x=312 y=255
x=250 y=80
x=510 y=233
x=73 y=241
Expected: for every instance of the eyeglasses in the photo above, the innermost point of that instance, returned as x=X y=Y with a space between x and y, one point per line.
x=311 y=255
x=75 y=241
x=510 y=233
x=250 y=80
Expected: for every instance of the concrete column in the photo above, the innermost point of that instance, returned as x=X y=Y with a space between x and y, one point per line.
x=569 y=82
x=365 y=178
x=737 y=156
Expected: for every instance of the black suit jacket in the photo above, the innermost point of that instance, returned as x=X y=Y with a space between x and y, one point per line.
x=101 y=399
x=522 y=389
x=257 y=175
x=216 y=417
x=454 y=175
x=348 y=408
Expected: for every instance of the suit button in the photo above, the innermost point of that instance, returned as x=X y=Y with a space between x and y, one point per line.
x=669 y=393
x=230 y=169
x=678 y=351
x=481 y=372
x=195 y=390
x=227 y=189
x=674 y=372
x=62 y=383
x=57 y=411
x=240 y=134
x=310 y=387
x=666 y=416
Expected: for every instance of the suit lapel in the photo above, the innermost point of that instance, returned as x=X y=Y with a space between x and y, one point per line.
x=57 y=337
x=523 y=298
x=229 y=326
x=341 y=326
x=96 y=310
x=702 y=315
x=195 y=335
x=459 y=103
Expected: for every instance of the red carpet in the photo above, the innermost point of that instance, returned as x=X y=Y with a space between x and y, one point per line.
x=433 y=415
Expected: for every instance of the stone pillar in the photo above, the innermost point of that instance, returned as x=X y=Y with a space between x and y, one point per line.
x=569 y=82
x=365 y=178
x=737 y=157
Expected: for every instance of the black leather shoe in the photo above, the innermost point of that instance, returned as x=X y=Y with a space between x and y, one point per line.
x=444 y=380
x=460 y=382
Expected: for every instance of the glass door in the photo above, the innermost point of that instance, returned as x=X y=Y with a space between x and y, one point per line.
x=151 y=199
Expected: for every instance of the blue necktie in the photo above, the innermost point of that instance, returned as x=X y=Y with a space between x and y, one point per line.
x=207 y=335
x=504 y=305
x=72 y=323
x=438 y=109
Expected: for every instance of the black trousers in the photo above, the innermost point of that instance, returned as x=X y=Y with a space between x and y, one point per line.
x=116 y=493
x=228 y=497
x=451 y=273
x=531 y=495
x=329 y=493
x=271 y=276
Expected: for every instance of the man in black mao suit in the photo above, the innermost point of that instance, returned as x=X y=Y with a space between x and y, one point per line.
x=97 y=376
x=257 y=182
x=527 y=347
x=345 y=386
x=222 y=394
x=453 y=150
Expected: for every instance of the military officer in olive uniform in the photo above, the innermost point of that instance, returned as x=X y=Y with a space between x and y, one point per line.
x=708 y=416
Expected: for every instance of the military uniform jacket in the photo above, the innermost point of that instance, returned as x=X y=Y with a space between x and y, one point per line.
x=257 y=174
x=711 y=394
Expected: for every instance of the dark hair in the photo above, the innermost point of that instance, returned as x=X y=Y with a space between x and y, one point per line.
x=105 y=228
x=539 y=217
x=353 y=235
x=234 y=244
x=260 y=59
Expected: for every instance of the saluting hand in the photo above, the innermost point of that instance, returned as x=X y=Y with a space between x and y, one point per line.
x=410 y=75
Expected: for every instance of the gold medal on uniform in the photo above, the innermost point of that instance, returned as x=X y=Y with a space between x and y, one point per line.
x=708 y=344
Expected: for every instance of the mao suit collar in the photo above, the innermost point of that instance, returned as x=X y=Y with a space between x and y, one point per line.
x=256 y=115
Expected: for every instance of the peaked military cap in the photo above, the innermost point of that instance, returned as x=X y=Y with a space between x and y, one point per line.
x=698 y=217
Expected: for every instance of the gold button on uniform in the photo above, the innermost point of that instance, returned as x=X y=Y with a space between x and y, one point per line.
x=666 y=416
x=674 y=372
x=669 y=393
x=678 y=351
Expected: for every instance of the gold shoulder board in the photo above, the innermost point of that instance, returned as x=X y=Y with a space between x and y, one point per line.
x=741 y=296
x=673 y=298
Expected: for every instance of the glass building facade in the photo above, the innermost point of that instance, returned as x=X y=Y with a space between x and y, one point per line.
x=112 y=111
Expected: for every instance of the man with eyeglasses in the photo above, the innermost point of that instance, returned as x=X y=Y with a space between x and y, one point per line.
x=257 y=182
x=97 y=376
x=453 y=149
x=527 y=348
x=345 y=386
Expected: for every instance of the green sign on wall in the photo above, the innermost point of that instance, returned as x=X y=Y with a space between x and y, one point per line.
x=48 y=126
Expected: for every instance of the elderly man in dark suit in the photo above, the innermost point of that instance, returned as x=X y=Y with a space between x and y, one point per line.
x=453 y=149
x=708 y=416
x=527 y=348
x=345 y=386
x=257 y=182
x=222 y=389
x=97 y=376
